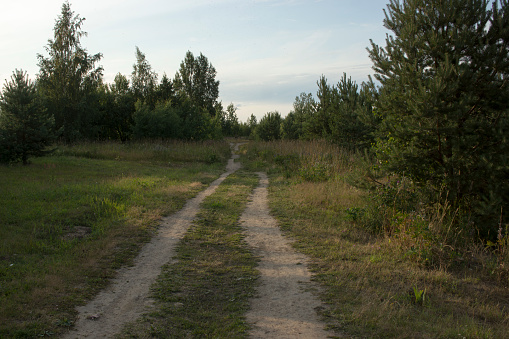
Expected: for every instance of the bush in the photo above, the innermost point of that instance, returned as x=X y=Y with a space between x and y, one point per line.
x=162 y=122
x=269 y=128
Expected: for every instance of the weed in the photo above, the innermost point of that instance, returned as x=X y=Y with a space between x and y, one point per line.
x=419 y=296
x=354 y=213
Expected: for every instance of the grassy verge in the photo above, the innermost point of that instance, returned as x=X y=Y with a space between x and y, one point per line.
x=374 y=285
x=69 y=220
x=205 y=293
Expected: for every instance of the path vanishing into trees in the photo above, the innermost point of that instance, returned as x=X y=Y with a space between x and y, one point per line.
x=283 y=308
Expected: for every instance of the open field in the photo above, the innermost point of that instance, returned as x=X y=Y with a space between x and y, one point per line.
x=69 y=220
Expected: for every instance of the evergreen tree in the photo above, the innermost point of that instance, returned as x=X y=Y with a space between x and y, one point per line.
x=304 y=107
x=119 y=108
x=26 y=129
x=444 y=100
x=351 y=108
x=269 y=128
x=162 y=122
x=252 y=123
x=68 y=75
x=229 y=121
x=290 y=127
x=319 y=123
x=165 y=90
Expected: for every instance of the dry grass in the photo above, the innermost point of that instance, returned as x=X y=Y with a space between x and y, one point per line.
x=374 y=282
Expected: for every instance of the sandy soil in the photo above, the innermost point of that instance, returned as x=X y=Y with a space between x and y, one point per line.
x=127 y=296
x=284 y=308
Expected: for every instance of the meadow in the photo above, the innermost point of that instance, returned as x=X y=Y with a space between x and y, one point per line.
x=67 y=221
x=390 y=267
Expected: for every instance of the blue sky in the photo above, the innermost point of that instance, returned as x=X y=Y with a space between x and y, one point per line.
x=266 y=52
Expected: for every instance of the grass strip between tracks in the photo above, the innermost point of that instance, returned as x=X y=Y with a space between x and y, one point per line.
x=205 y=291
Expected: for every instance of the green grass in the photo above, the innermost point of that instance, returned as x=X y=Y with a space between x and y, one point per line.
x=205 y=293
x=369 y=281
x=69 y=220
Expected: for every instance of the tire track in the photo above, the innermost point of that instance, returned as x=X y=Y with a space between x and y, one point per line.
x=283 y=308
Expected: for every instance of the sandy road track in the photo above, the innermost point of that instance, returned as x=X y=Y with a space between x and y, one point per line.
x=284 y=308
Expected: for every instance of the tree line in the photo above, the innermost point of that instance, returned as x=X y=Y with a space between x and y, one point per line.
x=435 y=113
x=69 y=100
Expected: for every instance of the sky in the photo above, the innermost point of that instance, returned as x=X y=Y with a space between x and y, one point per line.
x=266 y=52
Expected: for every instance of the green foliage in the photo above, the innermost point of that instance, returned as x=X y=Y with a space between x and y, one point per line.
x=197 y=123
x=269 y=128
x=162 y=122
x=229 y=120
x=291 y=127
x=353 y=122
x=295 y=124
x=165 y=90
x=68 y=78
x=419 y=296
x=118 y=108
x=343 y=114
x=26 y=129
x=290 y=164
x=317 y=171
x=196 y=81
x=143 y=80
x=444 y=101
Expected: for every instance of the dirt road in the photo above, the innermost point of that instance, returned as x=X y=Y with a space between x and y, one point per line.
x=283 y=308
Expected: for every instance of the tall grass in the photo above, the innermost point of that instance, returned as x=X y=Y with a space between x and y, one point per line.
x=315 y=160
x=391 y=264
x=151 y=151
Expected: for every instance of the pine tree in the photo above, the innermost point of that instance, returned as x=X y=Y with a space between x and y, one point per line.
x=26 y=129
x=118 y=109
x=444 y=99
x=304 y=107
x=269 y=127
